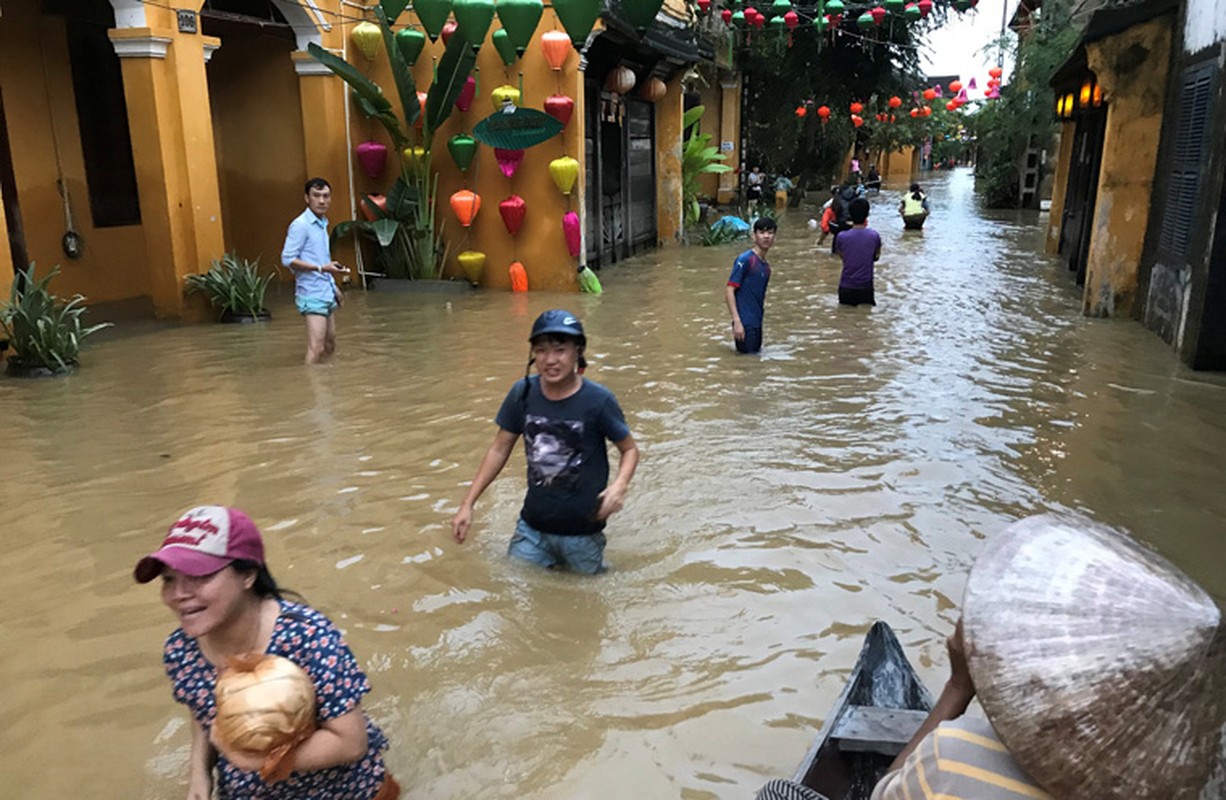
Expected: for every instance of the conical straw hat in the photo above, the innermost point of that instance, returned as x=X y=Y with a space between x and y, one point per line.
x=1100 y=665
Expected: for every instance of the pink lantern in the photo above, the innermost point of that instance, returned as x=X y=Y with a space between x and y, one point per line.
x=512 y=211
x=570 y=229
x=447 y=31
x=878 y=15
x=465 y=100
x=971 y=85
x=556 y=46
x=925 y=7
x=508 y=160
x=791 y=19
x=373 y=157
x=560 y=107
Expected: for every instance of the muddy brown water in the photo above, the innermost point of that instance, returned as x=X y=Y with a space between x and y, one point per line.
x=783 y=503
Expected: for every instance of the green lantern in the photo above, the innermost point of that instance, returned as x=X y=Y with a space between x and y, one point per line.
x=473 y=18
x=912 y=13
x=502 y=43
x=779 y=8
x=519 y=18
x=433 y=15
x=962 y=5
x=738 y=19
x=834 y=8
x=462 y=148
x=578 y=17
x=776 y=23
x=895 y=7
x=641 y=13
x=865 y=21
x=410 y=42
x=821 y=23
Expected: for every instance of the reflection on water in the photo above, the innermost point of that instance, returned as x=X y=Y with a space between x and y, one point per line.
x=783 y=503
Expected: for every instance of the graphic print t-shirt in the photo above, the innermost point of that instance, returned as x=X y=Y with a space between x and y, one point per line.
x=568 y=463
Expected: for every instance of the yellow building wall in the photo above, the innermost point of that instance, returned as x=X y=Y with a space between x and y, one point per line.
x=898 y=166
x=1064 y=160
x=1134 y=97
x=41 y=113
x=258 y=135
x=6 y=260
x=712 y=99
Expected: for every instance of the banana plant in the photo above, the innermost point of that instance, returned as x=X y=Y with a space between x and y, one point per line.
x=698 y=157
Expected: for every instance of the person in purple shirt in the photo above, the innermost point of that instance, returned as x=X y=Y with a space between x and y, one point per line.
x=860 y=248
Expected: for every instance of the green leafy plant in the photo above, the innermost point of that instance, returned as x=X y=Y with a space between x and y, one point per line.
x=698 y=157
x=407 y=232
x=233 y=285
x=43 y=329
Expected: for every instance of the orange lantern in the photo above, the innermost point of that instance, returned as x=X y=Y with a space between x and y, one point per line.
x=951 y=106
x=373 y=206
x=915 y=112
x=926 y=111
x=654 y=90
x=621 y=80
x=856 y=108
x=519 y=277
x=801 y=111
x=955 y=86
x=930 y=95
x=895 y=102
x=421 y=102
x=996 y=72
x=466 y=203
x=557 y=48
x=857 y=121
x=823 y=112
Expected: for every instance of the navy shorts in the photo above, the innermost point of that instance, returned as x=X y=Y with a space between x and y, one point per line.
x=856 y=297
x=752 y=342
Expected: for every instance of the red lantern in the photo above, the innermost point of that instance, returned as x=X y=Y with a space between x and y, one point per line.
x=915 y=112
x=560 y=107
x=996 y=72
x=556 y=46
x=955 y=86
x=895 y=102
x=857 y=121
x=856 y=107
x=704 y=5
x=751 y=14
x=512 y=211
x=801 y=111
x=925 y=7
x=926 y=111
x=823 y=112
x=726 y=16
x=447 y=31
x=466 y=203
x=791 y=19
x=951 y=106
x=930 y=95
x=878 y=15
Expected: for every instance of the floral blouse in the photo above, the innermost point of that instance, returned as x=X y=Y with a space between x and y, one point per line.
x=310 y=640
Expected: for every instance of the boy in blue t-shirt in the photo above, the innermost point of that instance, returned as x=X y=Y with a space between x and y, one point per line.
x=860 y=248
x=565 y=420
x=746 y=289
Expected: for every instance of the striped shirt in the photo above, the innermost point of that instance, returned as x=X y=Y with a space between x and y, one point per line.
x=960 y=760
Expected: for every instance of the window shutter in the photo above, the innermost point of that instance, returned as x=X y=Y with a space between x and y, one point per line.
x=1187 y=161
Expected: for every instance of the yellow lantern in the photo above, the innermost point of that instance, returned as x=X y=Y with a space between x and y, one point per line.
x=1087 y=91
x=473 y=264
x=413 y=158
x=504 y=93
x=1068 y=104
x=565 y=171
x=367 y=37
x=621 y=80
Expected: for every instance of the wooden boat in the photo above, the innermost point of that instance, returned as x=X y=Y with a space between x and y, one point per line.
x=874 y=718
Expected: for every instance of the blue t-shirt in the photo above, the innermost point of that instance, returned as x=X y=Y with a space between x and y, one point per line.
x=307 y=239
x=859 y=248
x=750 y=274
x=568 y=463
x=310 y=640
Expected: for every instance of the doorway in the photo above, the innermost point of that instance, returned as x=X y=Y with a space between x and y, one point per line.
x=1082 y=192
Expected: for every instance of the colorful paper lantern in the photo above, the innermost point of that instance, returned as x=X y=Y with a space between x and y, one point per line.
x=512 y=211
x=473 y=18
x=519 y=19
x=926 y=111
x=951 y=106
x=911 y=12
x=373 y=206
x=473 y=264
x=433 y=15
x=560 y=107
x=372 y=156
x=466 y=203
x=821 y=23
x=834 y=8
x=895 y=101
x=930 y=95
x=915 y=112
x=738 y=19
x=508 y=160
x=503 y=94
x=895 y=7
x=726 y=16
x=519 y=277
x=857 y=121
x=962 y=5
x=578 y=17
x=367 y=38
x=620 y=80
x=856 y=107
x=704 y=6
x=410 y=42
x=955 y=86
x=801 y=111
x=780 y=7
x=462 y=148
x=791 y=19
x=865 y=21
x=996 y=72
x=823 y=112
x=641 y=13
x=465 y=99
x=448 y=31
x=413 y=158
x=564 y=171
x=572 y=232
x=504 y=46
x=925 y=7
x=556 y=48
x=878 y=13
x=653 y=90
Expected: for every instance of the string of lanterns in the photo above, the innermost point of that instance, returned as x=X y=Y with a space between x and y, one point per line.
x=921 y=99
x=827 y=15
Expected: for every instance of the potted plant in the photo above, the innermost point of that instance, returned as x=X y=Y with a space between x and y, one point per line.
x=235 y=288
x=44 y=331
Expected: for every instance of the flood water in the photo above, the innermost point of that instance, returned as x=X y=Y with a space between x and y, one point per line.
x=783 y=503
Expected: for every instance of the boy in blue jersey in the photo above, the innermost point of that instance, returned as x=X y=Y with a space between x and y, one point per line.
x=308 y=255
x=565 y=420
x=746 y=289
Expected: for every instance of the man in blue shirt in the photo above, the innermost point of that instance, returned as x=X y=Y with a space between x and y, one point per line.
x=746 y=289
x=309 y=256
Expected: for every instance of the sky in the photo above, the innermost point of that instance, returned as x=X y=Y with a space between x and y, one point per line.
x=954 y=48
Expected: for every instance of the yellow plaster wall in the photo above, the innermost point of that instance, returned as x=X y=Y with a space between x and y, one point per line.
x=730 y=131
x=6 y=260
x=669 y=211
x=1064 y=160
x=1133 y=89
x=898 y=165
x=114 y=265
x=261 y=155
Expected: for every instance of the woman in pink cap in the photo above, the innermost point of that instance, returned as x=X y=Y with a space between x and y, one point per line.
x=215 y=582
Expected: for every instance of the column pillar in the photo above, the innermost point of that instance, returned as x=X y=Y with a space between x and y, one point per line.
x=324 y=134
x=730 y=131
x=171 y=125
x=670 y=215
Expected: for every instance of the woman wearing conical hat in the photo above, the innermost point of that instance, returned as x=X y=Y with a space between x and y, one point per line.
x=1101 y=668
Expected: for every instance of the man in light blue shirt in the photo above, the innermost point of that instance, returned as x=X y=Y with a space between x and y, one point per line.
x=309 y=256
